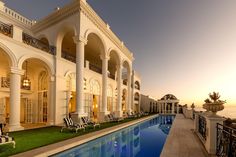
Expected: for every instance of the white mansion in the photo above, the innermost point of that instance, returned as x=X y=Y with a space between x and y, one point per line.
x=70 y=61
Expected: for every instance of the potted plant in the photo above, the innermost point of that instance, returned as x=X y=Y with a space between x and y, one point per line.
x=213 y=103
x=192 y=106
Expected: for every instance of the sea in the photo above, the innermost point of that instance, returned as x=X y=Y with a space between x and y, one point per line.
x=228 y=112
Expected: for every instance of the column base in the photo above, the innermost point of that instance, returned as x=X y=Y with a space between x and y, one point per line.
x=119 y=113
x=50 y=123
x=76 y=116
x=16 y=127
x=101 y=116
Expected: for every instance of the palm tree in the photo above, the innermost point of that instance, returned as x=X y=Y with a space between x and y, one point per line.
x=214 y=96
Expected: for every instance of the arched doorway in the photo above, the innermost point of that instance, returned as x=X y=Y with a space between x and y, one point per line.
x=126 y=77
x=68 y=46
x=110 y=106
x=95 y=102
x=113 y=71
x=5 y=64
x=124 y=100
x=35 y=93
x=136 y=102
x=94 y=50
x=71 y=93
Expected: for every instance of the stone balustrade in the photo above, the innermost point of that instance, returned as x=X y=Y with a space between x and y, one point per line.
x=188 y=113
x=207 y=130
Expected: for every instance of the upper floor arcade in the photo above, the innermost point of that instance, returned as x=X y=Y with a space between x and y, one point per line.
x=56 y=33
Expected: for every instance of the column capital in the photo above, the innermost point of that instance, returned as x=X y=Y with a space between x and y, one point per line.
x=15 y=70
x=104 y=57
x=78 y=39
x=52 y=78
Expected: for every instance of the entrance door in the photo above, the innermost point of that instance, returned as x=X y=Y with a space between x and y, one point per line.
x=3 y=110
x=95 y=107
x=72 y=102
x=43 y=106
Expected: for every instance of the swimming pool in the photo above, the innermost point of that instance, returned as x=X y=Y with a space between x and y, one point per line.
x=145 y=139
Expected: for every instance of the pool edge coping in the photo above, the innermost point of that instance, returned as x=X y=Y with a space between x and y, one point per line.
x=64 y=145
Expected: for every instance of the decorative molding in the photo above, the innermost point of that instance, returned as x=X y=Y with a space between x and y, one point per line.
x=100 y=24
x=79 y=6
x=78 y=39
x=104 y=57
x=16 y=70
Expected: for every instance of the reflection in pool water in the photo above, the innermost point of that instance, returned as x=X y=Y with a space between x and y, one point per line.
x=141 y=140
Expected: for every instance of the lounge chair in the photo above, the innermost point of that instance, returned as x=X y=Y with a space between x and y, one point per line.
x=5 y=139
x=114 y=118
x=111 y=118
x=87 y=122
x=69 y=124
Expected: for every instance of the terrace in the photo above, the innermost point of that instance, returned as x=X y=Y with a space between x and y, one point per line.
x=54 y=138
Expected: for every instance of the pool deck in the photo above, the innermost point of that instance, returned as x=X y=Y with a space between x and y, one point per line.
x=70 y=143
x=182 y=141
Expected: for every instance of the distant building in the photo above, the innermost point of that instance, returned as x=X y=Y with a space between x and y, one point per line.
x=149 y=104
x=169 y=104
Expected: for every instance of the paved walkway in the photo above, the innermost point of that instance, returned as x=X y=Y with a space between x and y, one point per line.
x=182 y=141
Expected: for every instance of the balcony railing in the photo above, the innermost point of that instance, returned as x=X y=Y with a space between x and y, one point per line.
x=95 y=68
x=38 y=44
x=68 y=56
x=137 y=87
x=5 y=82
x=111 y=76
x=226 y=141
x=6 y=29
x=136 y=98
x=202 y=127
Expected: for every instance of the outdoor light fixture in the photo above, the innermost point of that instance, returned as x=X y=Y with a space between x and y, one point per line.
x=26 y=81
x=85 y=84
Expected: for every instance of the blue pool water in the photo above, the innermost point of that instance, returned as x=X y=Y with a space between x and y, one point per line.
x=141 y=140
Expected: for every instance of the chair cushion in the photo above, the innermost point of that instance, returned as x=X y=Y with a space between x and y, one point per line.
x=4 y=139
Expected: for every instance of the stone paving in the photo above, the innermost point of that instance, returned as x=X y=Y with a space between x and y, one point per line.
x=182 y=141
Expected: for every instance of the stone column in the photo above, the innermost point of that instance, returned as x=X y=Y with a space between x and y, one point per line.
x=159 y=105
x=129 y=92
x=103 y=112
x=119 y=112
x=80 y=44
x=132 y=91
x=165 y=108
x=15 y=88
x=51 y=112
x=173 y=108
x=177 y=108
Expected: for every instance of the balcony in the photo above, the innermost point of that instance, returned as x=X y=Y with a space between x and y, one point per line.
x=111 y=76
x=29 y=40
x=125 y=82
x=6 y=29
x=68 y=56
x=5 y=83
x=95 y=68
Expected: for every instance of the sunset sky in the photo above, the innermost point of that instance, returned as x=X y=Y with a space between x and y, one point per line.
x=183 y=47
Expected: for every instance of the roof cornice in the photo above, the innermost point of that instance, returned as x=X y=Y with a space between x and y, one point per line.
x=93 y=16
x=56 y=17
x=75 y=7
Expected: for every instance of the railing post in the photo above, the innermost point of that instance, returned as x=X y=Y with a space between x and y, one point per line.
x=211 y=136
x=196 y=120
x=17 y=33
x=230 y=144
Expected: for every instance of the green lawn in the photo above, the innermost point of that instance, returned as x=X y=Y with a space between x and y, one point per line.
x=30 y=139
